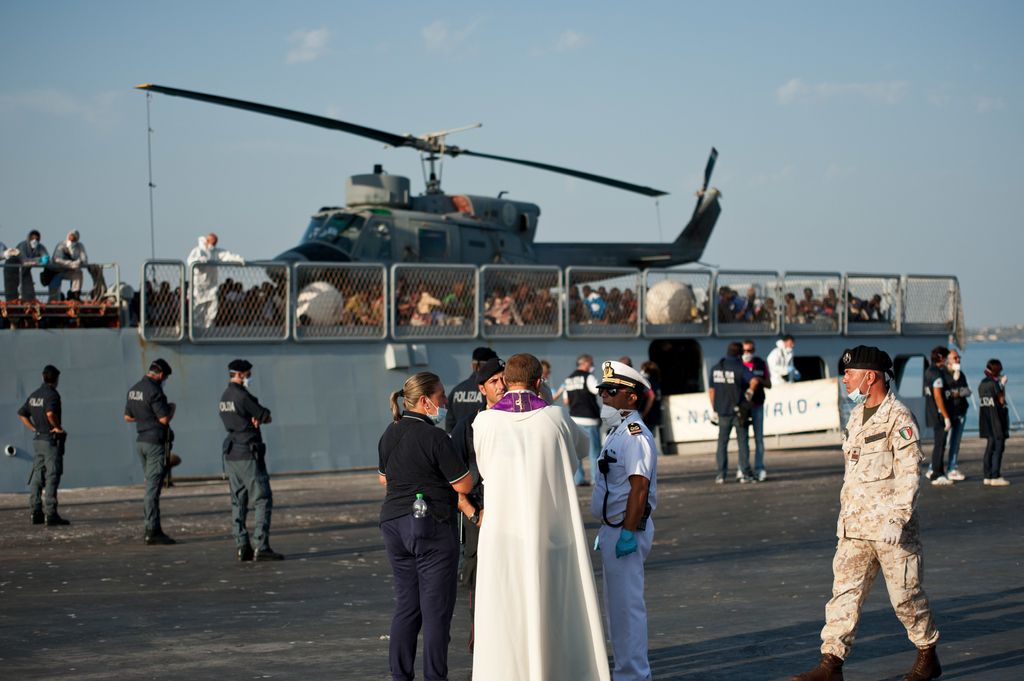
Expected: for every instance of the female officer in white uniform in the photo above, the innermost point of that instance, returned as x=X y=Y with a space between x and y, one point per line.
x=624 y=496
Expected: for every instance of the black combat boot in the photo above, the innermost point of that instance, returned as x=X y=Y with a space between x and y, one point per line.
x=55 y=519
x=829 y=669
x=926 y=666
x=38 y=518
x=245 y=553
x=158 y=537
x=268 y=554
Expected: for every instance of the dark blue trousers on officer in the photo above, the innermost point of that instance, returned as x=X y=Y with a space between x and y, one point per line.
x=250 y=481
x=424 y=556
x=47 y=467
x=153 y=461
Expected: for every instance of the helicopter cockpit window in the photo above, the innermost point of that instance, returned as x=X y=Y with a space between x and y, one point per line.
x=433 y=244
x=340 y=229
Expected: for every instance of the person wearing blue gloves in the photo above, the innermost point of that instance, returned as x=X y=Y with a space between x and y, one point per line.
x=624 y=497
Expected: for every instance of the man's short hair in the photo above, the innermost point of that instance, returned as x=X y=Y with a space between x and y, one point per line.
x=584 y=358
x=751 y=343
x=735 y=349
x=787 y=338
x=939 y=354
x=34 y=233
x=50 y=374
x=522 y=369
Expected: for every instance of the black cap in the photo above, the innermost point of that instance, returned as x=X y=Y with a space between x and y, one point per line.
x=865 y=357
x=160 y=366
x=239 y=365
x=488 y=369
x=52 y=370
x=483 y=354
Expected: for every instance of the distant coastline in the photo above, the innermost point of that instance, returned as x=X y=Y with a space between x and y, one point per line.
x=1013 y=334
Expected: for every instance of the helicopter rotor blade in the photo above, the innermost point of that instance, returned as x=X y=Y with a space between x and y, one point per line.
x=618 y=184
x=311 y=119
x=708 y=169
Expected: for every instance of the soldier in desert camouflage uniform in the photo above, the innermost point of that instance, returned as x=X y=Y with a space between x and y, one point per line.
x=877 y=526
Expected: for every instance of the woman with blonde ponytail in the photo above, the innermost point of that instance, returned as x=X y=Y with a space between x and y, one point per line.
x=417 y=461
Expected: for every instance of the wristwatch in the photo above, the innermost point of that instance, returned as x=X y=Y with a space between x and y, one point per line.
x=475 y=518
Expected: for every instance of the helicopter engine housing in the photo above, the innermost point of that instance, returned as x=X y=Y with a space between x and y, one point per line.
x=377 y=189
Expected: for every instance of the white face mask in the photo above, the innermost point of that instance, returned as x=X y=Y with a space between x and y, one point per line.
x=955 y=367
x=610 y=416
x=33 y=243
x=748 y=357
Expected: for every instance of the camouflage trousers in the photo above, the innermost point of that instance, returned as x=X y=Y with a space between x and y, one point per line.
x=854 y=568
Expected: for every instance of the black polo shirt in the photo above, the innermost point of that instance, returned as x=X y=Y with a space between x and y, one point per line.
x=464 y=400
x=238 y=407
x=147 y=404
x=935 y=377
x=45 y=399
x=418 y=457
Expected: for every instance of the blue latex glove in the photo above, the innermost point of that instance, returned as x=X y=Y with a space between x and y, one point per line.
x=626 y=544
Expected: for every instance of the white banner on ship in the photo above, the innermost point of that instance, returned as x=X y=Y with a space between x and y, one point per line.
x=803 y=407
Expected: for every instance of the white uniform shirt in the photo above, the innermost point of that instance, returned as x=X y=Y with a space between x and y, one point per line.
x=632 y=446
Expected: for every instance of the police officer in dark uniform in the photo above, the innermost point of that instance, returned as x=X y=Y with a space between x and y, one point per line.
x=465 y=398
x=147 y=407
x=728 y=384
x=491 y=384
x=41 y=415
x=937 y=381
x=245 y=460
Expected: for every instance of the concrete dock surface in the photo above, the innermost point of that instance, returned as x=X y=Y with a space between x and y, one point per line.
x=736 y=582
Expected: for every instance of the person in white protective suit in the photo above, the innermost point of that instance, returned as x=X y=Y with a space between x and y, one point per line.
x=537 y=616
x=205 y=279
x=780 y=361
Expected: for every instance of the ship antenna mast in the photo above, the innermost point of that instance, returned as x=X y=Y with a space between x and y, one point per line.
x=149 y=155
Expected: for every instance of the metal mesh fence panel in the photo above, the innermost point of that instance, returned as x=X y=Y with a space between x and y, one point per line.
x=434 y=302
x=676 y=303
x=746 y=303
x=603 y=302
x=812 y=303
x=345 y=301
x=232 y=302
x=162 y=301
x=521 y=302
x=872 y=304
x=929 y=304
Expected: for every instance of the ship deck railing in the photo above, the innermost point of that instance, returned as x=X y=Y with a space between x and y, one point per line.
x=341 y=302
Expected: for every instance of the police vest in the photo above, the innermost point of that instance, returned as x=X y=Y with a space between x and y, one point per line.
x=582 y=402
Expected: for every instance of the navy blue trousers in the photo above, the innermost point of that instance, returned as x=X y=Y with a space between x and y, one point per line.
x=424 y=556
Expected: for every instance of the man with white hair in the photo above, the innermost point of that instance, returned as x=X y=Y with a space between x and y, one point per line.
x=69 y=257
x=205 y=279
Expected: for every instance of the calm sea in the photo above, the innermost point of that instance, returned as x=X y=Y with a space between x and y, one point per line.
x=1012 y=356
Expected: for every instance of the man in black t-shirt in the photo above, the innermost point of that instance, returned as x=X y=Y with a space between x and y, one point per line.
x=147 y=407
x=41 y=414
x=936 y=382
x=728 y=383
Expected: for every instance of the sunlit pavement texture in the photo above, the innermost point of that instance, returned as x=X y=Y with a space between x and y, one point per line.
x=736 y=583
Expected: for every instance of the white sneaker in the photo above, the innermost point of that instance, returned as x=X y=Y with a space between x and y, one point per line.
x=929 y=474
x=739 y=475
x=986 y=481
x=999 y=482
x=762 y=475
x=942 y=480
x=720 y=480
x=956 y=475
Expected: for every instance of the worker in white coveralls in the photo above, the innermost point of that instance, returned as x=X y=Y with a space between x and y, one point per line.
x=205 y=279
x=624 y=497
x=537 y=617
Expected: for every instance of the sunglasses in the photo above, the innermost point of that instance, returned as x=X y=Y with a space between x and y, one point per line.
x=610 y=392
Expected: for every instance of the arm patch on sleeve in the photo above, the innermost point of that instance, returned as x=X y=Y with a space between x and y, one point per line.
x=634 y=429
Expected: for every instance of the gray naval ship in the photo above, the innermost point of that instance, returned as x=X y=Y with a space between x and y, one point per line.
x=330 y=341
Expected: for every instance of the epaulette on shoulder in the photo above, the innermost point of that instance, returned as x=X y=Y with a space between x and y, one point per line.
x=635 y=429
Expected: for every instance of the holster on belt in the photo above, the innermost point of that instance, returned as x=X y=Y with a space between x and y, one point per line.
x=259 y=451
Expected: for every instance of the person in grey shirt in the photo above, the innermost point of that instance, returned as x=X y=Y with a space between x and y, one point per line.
x=31 y=251
x=69 y=258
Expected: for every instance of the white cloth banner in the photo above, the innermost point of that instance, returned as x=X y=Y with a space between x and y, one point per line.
x=804 y=407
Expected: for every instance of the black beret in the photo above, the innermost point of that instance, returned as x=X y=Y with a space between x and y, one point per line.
x=488 y=369
x=483 y=354
x=865 y=357
x=161 y=366
x=239 y=365
x=52 y=370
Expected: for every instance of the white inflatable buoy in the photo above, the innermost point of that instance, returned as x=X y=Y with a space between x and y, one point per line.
x=669 y=302
x=321 y=304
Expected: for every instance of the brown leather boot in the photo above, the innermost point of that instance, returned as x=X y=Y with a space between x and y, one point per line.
x=829 y=669
x=926 y=666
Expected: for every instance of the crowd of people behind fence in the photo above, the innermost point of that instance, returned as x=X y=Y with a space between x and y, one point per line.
x=808 y=309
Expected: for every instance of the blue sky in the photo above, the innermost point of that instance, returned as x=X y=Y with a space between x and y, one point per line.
x=868 y=137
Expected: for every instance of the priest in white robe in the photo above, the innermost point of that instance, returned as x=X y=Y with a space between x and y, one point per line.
x=537 y=614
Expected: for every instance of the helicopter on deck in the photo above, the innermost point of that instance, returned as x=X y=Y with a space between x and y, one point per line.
x=383 y=222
